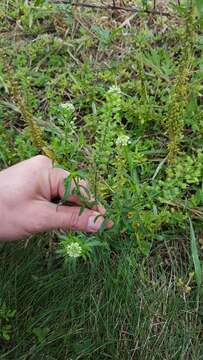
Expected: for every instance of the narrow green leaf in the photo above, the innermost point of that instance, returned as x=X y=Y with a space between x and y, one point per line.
x=82 y=209
x=159 y=167
x=81 y=174
x=195 y=256
x=67 y=185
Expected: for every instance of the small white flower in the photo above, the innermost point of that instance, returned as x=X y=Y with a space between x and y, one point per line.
x=123 y=140
x=114 y=89
x=68 y=106
x=74 y=250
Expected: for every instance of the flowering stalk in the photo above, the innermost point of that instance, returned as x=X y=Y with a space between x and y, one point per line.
x=122 y=142
x=35 y=132
x=106 y=132
x=174 y=122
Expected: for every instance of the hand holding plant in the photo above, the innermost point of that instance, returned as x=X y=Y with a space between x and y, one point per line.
x=26 y=207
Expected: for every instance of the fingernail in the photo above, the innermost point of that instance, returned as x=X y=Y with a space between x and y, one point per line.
x=94 y=222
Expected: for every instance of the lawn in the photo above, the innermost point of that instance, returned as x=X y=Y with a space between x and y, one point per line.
x=115 y=97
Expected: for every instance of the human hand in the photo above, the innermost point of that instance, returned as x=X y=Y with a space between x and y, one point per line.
x=26 y=191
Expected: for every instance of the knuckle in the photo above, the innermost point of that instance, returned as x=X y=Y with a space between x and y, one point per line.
x=83 y=182
x=74 y=220
x=84 y=186
x=43 y=160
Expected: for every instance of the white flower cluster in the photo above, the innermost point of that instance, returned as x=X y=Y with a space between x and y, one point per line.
x=114 y=89
x=123 y=140
x=74 y=250
x=68 y=106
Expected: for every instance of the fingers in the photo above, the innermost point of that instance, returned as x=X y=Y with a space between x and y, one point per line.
x=29 y=166
x=56 y=177
x=69 y=218
x=57 y=189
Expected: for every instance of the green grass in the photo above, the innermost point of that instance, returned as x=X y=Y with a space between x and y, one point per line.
x=140 y=295
x=113 y=308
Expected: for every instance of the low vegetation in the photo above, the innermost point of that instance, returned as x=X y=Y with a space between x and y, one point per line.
x=114 y=97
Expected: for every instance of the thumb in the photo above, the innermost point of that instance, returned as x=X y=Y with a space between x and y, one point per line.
x=69 y=217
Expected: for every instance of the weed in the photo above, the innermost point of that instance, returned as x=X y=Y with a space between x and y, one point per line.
x=35 y=132
x=6 y=315
x=178 y=101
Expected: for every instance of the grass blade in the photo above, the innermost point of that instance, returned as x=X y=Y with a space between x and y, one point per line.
x=195 y=256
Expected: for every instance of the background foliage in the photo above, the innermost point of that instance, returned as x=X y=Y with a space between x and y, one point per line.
x=119 y=96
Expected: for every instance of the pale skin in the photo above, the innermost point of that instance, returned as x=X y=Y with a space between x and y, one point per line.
x=26 y=207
